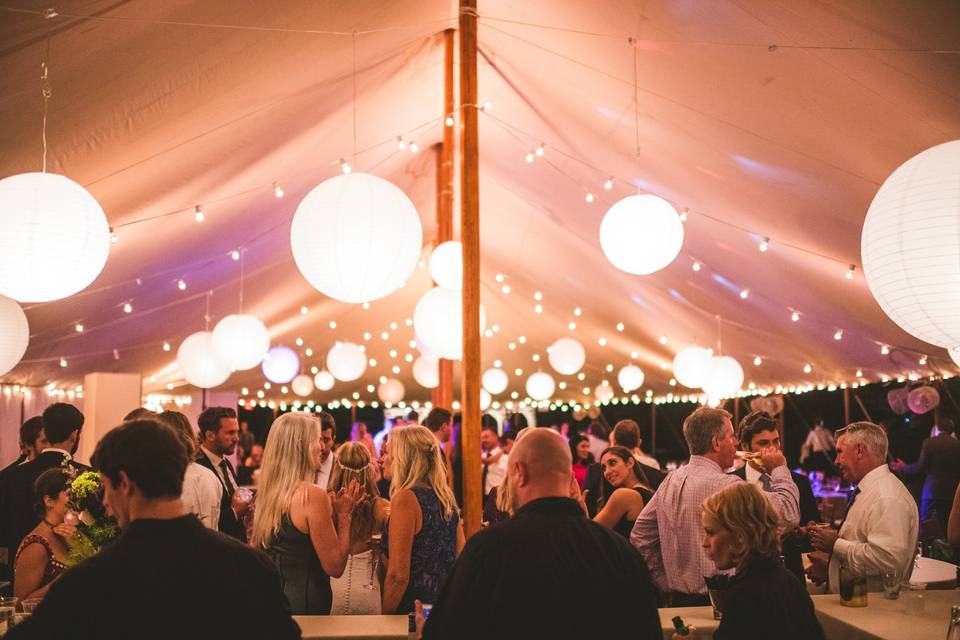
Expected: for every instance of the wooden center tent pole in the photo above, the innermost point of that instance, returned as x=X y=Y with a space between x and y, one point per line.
x=470 y=237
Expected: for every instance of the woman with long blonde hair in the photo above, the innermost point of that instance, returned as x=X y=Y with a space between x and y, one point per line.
x=425 y=533
x=294 y=519
x=358 y=590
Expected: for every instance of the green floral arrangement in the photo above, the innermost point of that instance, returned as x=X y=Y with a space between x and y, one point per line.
x=95 y=529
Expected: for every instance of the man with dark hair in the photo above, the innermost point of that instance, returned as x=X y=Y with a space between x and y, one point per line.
x=626 y=433
x=440 y=422
x=140 y=413
x=164 y=555
x=756 y=432
x=511 y=580
x=219 y=434
x=328 y=440
x=939 y=462
x=493 y=458
x=32 y=442
x=61 y=425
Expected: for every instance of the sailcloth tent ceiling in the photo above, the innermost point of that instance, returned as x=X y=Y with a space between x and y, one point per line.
x=766 y=122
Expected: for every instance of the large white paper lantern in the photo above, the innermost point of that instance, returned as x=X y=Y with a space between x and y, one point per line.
x=14 y=333
x=603 y=393
x=280 y=365
x=241 y=341
x=324 y=380
x=725 y=377
x=54 y=237
x=426 y=372
x=346 y=361
x=566 y=356
x=446 y=265
x=302 y=385
x=630 y=377
x=391 y=391
x=540 y=386
x=494 y=380
x=199 y=362
x=485 y=400
x=641 y=234
x=692 y=365
x=911 y=245
x=356 y=237
x=438 y=322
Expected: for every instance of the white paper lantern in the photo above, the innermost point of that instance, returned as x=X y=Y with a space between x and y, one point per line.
x=14 y=334
x=356 y=237
x=540 y=386
x=426 y=372
x=630 y=377
x=603 y=393
x=641 y=234
x=446 y=265
x=725 y=377
x=485 y=400
x=346 y=361
x=324 y=380
x=438 y=322
x=391 y=391
x=54 y=238
x=692 y=365
x=302 y=385
x=280 y=365
x=494 y=380
x=566 y=356
x=199 y=362
x=911 y=245
x=241 y=341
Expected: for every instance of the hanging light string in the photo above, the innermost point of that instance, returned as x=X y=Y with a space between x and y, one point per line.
x=355 y=97
x=47 y=91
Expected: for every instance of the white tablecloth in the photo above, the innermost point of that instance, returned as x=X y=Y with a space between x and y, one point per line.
x=353 y=627
x=934 y=573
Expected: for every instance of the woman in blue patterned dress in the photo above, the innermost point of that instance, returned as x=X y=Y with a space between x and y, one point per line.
x=425 y=533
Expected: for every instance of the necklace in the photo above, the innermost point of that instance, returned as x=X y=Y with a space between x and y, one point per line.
x=48 y=524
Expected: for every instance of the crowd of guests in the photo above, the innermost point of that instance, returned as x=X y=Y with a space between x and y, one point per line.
x=374 y=526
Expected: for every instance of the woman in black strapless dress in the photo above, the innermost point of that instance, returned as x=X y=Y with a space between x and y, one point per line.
x=631 y=491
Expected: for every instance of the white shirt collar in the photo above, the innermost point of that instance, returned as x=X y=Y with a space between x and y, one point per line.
x=214 y=458
x=752 y=474
x=65 y=453
x=872 y=478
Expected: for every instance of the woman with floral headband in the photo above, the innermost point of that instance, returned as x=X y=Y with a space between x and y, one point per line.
x=357 y=591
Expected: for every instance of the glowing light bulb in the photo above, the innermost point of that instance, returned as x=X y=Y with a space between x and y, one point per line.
x=922 y=361
x=448 y=121
x=498 y=277
x=859 y=373
x=299 y=342
x=620 y=326
x=884 y=350
x=78 y=328
x=505 y=288
x=608 y=184
x=414 y=147
x=113 y=236
x=365 y=305
x=235 y=254
x=602 y=342
x=538 y=308
x=757 y=361
x=512 y=346
x=807 y=368
x=696 y=266
x=401 y=145
x=572 y=326
x=589 y=197
x=198 y=215
x=345 y=166
x=683 y=215
x=277 y=190
x=663 y=339
x=487 y=106
x=540 y=151
x=537 y=295
x=764 y=245
x=166 y=346
x=63 y=362
x=578 y=312
x=308 y=352
x=127 y=307
x=522 y=339
x=850 y=271
x=181 y=284
x=744 y=294
x=838 y=335
x=529 y=157
x=795 y=316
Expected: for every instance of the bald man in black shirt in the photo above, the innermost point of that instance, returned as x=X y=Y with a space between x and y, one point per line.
x=548 y=572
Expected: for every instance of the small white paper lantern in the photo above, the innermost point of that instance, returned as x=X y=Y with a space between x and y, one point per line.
x=630 y=377
x=302 y=385
x=356 y=237
x=54 y=237
x=692 y=365
x=494 y=380
x=391 y=391
x=641 y=234
x=426 y=372
x=911 y=245
x=324 y=380
x=446 y=265
x=485 y=400
x=603 y=393
x=199 y=362
x=540 y=386
x=566 y=356
x=280 y=365
x=346 y=361
x=725 y=377
x=241 y=341
x=14 y=334
x=438 y=322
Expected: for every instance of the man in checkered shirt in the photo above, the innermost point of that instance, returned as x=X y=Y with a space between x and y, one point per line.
x=668 y=531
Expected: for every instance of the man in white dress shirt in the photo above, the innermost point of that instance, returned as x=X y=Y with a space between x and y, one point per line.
x=879 y=532
x=494 y=459
x=328 y=438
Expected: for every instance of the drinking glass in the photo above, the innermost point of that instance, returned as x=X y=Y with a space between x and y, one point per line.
x=716 y=600
x=29 y=605
x=853 y=588
x=891 y=585
x=71 y=518
x=8 y=607
x=375 y=540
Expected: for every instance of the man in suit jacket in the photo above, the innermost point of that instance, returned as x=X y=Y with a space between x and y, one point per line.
x=32 y=442
x=940 y=461
x=166 y=576
x=626 y=433
x=758 y=431
x=219 y=434
x=61 y=424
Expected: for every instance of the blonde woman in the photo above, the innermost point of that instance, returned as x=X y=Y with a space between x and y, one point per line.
x=294 y=519
x=740 y=531
x=425 y=533
x=357 y=591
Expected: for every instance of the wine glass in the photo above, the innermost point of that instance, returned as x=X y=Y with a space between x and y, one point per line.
x=71 y=518
x=375 y=540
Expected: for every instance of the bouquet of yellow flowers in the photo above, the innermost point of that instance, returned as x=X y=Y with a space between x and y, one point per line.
x=95 y=528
